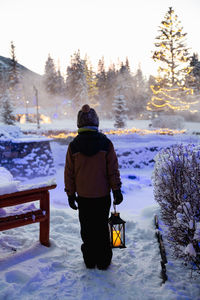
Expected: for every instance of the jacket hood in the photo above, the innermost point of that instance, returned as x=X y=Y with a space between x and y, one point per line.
x=90 y=143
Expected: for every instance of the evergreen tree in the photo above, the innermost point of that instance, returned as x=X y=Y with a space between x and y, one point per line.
x=50 y=76
x=14 y=80
x=13 y=70
x=119 y=109
x=139 y=95
x=77 y=87
x=172 y=55
x=193 y=78
x=110 y=88
x=6 y=108
x=91 y=83
x=59 y=86
x=127 y=65
x=101 y=84
x=125 y=80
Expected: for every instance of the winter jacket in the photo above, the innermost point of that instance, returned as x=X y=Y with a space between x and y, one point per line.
x=91 y=167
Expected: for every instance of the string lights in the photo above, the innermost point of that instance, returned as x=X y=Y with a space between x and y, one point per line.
x=170 y=93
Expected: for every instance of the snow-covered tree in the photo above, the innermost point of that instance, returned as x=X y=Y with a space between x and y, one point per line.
x=77 y=87
x=91 y=83
x=193 y=78
x=14 y=80
x=139 y=96
x=59 y=86
x=172 y=55
x=6 y=108
x=120 y=109
x=13 y=71
x=110 y=88
x=50 y=76
x=101 y=84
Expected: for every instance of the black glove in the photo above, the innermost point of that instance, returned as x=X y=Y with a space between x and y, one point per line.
x=118 y=197
x=72 y=199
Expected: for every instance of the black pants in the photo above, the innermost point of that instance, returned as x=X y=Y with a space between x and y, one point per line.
x=93 y=217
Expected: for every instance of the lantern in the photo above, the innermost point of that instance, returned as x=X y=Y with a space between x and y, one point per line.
x=117 y=230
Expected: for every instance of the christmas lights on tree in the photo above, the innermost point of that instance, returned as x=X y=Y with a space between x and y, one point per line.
x=170 y=92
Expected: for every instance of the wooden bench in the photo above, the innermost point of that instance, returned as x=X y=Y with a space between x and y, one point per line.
x=41 y=215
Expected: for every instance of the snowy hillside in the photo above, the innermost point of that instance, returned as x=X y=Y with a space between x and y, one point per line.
x=6 y=63
x=31 y=271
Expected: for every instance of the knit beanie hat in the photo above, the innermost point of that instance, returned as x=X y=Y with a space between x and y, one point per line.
x=87 y=117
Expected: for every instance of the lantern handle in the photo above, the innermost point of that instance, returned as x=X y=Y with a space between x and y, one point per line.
x=114 y=206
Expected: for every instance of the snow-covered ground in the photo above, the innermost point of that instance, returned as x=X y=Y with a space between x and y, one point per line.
x=70 y=124
x=29 y=270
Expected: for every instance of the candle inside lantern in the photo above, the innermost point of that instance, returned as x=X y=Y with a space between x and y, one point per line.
x=116 y=238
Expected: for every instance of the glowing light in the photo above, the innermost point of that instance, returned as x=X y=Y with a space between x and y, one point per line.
x=173 y=60
x=116 y=238
x=22 y=119
x=62 y=135
x=45 y=119
x=161 y=131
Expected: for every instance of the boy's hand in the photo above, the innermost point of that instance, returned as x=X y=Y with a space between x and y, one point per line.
x=118 y=197
x=72 y=200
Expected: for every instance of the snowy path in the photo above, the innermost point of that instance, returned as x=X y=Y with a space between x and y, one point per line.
x=36 y=272
x=59 y=272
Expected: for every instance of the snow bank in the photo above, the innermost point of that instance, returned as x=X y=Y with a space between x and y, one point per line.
x=7 y=183
x=32 y=271
x=14 y=133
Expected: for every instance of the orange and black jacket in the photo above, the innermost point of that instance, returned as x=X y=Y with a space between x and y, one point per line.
x=91 y=167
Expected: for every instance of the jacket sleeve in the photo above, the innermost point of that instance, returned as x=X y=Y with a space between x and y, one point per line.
x=69 y=176
x=113 y=168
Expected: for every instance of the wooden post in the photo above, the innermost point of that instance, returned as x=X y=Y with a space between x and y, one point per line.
x=45 y=225
x=37 y=107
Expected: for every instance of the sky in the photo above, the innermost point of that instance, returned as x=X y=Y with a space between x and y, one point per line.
x=114 y=29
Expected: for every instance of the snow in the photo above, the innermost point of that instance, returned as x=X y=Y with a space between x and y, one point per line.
x=190 y=250
x=32 y=271
x=9 y=185
x=70 y=124
x=14 y=134
x=7 y=182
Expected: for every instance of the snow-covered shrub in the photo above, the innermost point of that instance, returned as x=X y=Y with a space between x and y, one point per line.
x=7 y=132
x=176 y=180
x=7 y=182
x=166 y=121
x=120 y=109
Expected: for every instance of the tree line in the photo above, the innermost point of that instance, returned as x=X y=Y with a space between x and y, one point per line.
x=117 y=91
x=100 y=88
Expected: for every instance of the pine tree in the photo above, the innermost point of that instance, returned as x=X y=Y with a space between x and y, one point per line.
x=14 y=80
x=126 y=80
x=170 y=93
x=59 y=87
x=172 y=51
x=110 y=88
x=77 y=87
x=127 y=65
x=6 y=108
x=140 y=93
x=13 y=70
x=101 y=84
x=91 y=83
x=193 y=78
x=50 y=76
x=119 y=109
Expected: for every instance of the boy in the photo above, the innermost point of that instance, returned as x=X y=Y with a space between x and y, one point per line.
x=91 y=170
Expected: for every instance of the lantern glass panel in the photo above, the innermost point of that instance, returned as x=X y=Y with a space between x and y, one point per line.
x=117 y=231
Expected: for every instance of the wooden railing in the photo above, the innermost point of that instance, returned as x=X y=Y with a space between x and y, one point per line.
x=41 y=215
